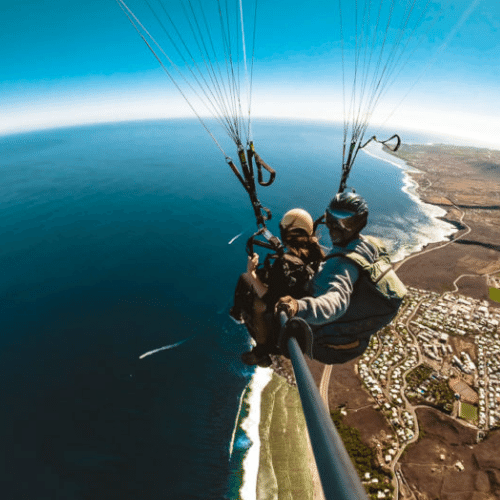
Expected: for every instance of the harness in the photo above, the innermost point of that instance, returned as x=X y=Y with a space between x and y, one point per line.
x=285 y=274
x=389 y=287
x=375 y=301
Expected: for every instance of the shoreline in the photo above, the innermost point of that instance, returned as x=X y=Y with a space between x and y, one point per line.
x=441 y=230
x=463 y=183
x=439 y=207
x=251 y=424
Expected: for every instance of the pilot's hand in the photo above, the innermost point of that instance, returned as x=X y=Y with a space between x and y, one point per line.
x=288 y=305
x=252 y=263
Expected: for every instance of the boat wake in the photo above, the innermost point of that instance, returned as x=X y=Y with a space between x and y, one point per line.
x=164 y=348
x=234 y=239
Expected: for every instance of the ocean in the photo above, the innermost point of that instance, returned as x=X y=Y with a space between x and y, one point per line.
x=121 y=239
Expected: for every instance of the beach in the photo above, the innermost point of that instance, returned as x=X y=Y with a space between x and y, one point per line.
x=463 y=183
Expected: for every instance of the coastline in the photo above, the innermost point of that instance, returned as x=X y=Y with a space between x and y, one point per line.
x=279 y=461
x=253 y=398
x=449 y=228
x=464 y=183
x=440 y=228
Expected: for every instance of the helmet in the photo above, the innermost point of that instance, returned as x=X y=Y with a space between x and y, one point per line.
x=297 y=219
x=347 y=202
x=347 y=215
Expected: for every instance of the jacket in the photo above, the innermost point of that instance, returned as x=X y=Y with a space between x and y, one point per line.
x=354 y=294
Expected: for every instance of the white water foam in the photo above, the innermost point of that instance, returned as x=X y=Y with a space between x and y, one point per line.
x=250 y=425
x=166 y=347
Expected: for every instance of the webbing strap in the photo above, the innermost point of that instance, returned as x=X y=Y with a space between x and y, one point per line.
x=357 y=258
x=353 y=152
x=237 y=173
x=247 y=179
x=392 y=148
x=260 y=165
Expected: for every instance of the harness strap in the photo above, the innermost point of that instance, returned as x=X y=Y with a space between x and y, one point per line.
x=342 y=347
x=392 y=148
x=260 y=165
x=237 y=173
x=247 y=179
x=272 y=242
x=356 y=258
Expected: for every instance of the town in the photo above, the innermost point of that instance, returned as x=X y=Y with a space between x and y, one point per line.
x=442 y=350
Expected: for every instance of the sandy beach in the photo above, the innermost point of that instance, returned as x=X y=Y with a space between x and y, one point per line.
x=284 y=470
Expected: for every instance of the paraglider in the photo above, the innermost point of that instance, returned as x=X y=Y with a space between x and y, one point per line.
x=355 y=293
x=208 y=62
x=207 y=50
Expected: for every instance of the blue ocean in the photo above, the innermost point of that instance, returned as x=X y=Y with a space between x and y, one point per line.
x=121 y=239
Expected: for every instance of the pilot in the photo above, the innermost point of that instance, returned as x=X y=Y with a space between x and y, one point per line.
x=355 y=293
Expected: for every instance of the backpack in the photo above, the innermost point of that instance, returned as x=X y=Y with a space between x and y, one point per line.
x=375 y=301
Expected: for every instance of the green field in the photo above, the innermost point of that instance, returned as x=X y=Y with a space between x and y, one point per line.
x=495 y=294
x=468 y=412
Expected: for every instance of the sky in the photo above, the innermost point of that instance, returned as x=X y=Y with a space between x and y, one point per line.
x=68 y=63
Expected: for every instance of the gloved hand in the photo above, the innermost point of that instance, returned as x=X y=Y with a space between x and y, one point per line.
x=288 y=305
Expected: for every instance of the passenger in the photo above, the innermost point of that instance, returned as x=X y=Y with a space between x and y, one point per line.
x=260 y=287
x=355 y=293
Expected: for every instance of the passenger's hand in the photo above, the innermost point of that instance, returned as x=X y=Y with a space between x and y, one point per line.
x=288 y=305
x=252 y=263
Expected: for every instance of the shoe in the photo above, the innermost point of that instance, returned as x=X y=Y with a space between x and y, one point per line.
x=257 y=356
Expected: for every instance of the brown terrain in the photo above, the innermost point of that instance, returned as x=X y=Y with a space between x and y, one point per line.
x=466 y=183
x=431 y=466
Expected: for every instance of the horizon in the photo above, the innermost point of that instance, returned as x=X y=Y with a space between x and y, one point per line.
x=64 y=71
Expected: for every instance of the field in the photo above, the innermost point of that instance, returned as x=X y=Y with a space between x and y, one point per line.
x=495 y=294
x=468 y=412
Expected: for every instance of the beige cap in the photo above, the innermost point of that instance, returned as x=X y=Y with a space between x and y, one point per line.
x=298 y=219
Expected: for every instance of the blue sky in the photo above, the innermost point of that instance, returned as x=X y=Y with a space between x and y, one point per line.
x=66 y=63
